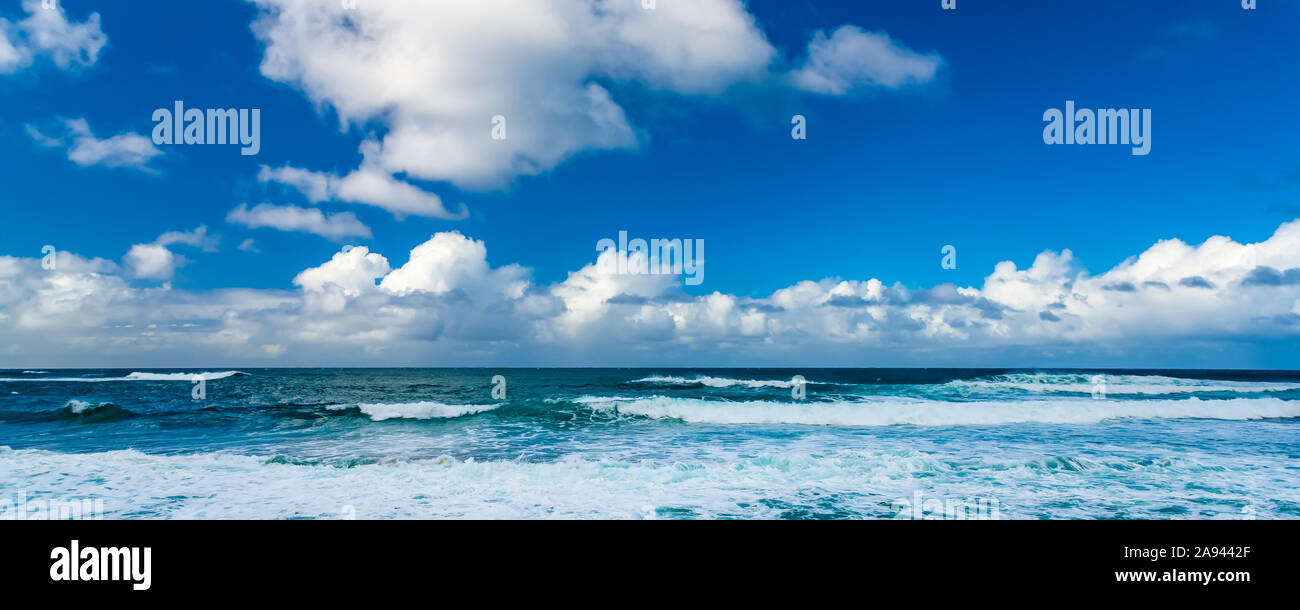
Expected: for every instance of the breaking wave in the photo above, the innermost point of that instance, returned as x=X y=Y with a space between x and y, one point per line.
x=850 y=484
x=904 y=411
x=721 y=382
x=415 y=410
x=1081 y=383
x=82 y=411
x=136 y=376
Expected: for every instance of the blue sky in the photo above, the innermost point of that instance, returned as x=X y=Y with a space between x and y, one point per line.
x=886 y=177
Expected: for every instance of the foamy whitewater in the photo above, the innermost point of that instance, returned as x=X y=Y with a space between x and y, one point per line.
x=653 y=444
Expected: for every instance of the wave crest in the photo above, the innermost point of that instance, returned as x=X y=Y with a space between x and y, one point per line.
x=721 y=382
x=1083 y=383
x=138 y=376
x=415 y=410
x=893 y=412
x=83 y=411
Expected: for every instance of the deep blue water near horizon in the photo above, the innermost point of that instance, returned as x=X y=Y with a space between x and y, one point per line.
x=654 y=443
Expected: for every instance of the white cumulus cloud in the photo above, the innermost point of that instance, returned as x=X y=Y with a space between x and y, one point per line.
x=152 y=262
x=447 y=305
x=47 y=32
x=156 y=261
x=476 y=94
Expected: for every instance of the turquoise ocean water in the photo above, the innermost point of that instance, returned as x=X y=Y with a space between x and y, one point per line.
x=654 y=443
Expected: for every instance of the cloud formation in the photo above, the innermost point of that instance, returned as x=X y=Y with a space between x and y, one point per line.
x=852 y=58
x=293 y=218
x=123 y=150
x=48 y=33
x=446 y=305
x=366 y=185
x=197 y=238
x=476 y=98
x=156 y=261
x=152 y=262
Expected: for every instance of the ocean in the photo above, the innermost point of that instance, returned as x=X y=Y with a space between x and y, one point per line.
x=654 y=443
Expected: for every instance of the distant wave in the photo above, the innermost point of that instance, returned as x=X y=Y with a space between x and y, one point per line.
x=85 y=411
x=1034 y=383
x=206 y=376
x=1082 y=383
x=182 y=376
x=904 y=411
x=77 y=407
x=722 y=382
x=415 y=410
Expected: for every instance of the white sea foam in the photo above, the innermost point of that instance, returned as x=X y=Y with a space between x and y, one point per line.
x=891 y=411
x=137 y=376
x=79 y=406
x=722 y=382
x=417 y=410
x=182 y=376
x=824 y=482
x=1045 y=383
x=1080 y=383
x=88 y=409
